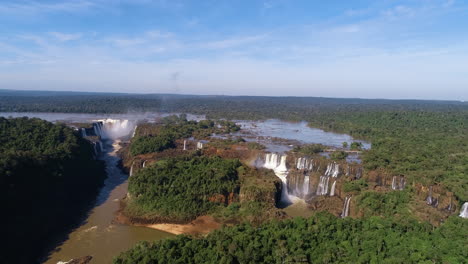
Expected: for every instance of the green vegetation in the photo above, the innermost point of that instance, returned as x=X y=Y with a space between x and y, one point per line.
x=180 y=189
x=338 y=155
x=47 y=178
x=142 y=145
x=309 y=149
x=426 y=146
x=355 y=186
x=356 y=146
x=323 y=238
x=384 y=204
x=155 y=138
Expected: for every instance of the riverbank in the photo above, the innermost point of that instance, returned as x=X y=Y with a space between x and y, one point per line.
x=200 y=226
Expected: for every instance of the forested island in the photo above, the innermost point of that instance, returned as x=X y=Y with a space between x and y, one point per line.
x=48 y=179
x=398 y=203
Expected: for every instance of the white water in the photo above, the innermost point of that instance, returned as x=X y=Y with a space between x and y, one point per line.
x=399 y=184
x=429 y=197
x=130 y=174
x=333 y=170
x=114 y=128
x=304 y=164
x=185 y=144
x=322 y=188
x=345 y=211
x=305 y=190
x=464 y=210
x=332 y=192
x=277 y=163
x=199 y=145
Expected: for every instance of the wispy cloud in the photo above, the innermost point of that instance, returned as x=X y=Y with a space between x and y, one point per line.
x=36 y=7
x=64 y=37
x=234 y=42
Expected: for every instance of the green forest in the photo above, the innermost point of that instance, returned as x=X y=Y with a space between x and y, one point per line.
x=179 y=189
x=424 y=141
x=322 y=238
x=48 y=178
x=155 y=138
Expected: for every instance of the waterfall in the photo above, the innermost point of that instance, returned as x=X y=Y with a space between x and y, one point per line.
x=199 y=145
x=429 y=197
x=114 y=128
x=101 y=146
x=394 y=185
x=345 y=211
x=464 y=210
x=398 y=184
x=359 y=173
x=97 y=130
x=305 y=186
x=277 y=163
x=185 y=144
x=131 y=170
x=134 y=131
x=83 y=132
x=144 y=163
x=333 y=169
x=304 y=164
x=322 y=188
x=332 y=192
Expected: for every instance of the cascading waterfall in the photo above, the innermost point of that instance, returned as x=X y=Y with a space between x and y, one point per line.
x=83 y=132
x=332 y=192
x=277 y=163
x=134 y=131
x=333 y=169
x=199 y=145
x=131 y=170
x=305 y=186
x=185 y=144
x=429 y=197
x=322 y=188
x=398 y=184
x=144 y=163
x=464 y=210
x=345 y=211
x=304 y=164
x=113 y=128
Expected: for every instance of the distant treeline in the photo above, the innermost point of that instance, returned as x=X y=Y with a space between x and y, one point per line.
x=423 y=140
x=230 y=107
x=48 y=177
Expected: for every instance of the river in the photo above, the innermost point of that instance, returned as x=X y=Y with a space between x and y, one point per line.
x=102 y=239
x=98 y=236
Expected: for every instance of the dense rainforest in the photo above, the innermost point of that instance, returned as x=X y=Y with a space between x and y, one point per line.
x=48 y=178
x=150 y=138
x=181 y=189
x=322 y=238
x=424 y=141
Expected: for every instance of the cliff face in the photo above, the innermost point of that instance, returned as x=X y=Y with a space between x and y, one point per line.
x=260 y=185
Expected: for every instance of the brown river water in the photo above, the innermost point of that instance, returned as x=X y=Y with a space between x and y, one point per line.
x=98 y=236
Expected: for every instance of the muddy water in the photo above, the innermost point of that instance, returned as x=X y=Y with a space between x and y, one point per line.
x=98 y=236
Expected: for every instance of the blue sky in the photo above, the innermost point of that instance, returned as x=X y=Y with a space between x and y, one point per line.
x=369 y=49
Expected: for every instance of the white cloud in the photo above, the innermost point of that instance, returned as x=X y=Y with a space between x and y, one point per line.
x=64 y=37
x=233 y=42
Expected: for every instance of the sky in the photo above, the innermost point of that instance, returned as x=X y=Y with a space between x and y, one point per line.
x=414 y=49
